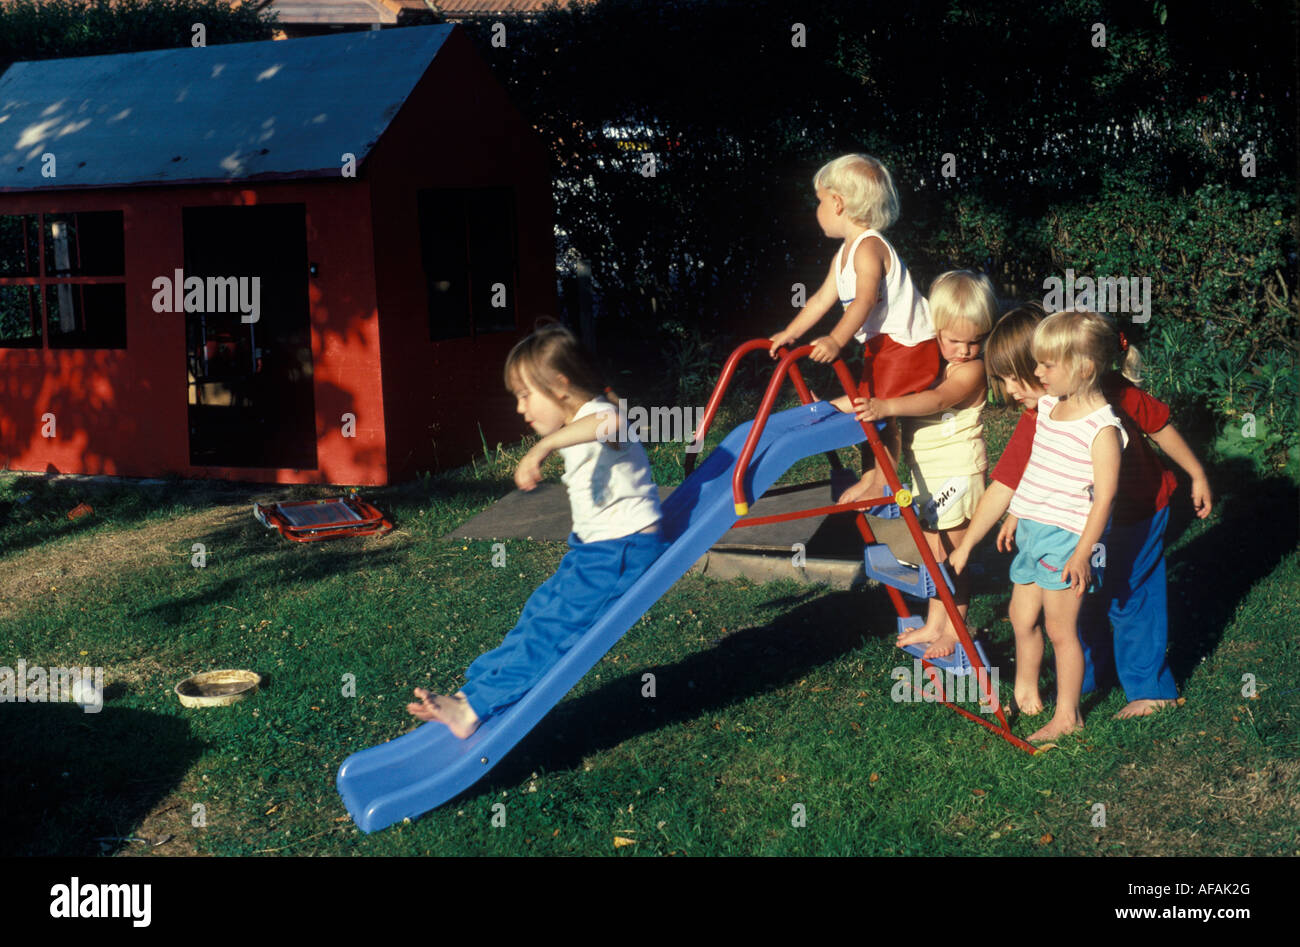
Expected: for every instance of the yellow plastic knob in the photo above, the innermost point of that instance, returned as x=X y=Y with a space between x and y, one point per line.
x=742 y=509
x=903 y=498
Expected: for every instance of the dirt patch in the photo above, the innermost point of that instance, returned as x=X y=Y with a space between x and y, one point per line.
x=1179 y=804
x=140 y=673
x=167 y=830
x=97 y=559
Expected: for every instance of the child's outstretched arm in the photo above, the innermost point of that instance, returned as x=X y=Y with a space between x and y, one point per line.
x=962 y=382
x=995 y=501
x=811 y=313
x=1106 y=450
x=602 y=426
x=1172 y=443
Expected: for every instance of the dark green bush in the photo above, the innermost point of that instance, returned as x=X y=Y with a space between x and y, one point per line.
x=1222 y=331
x=1020 y=144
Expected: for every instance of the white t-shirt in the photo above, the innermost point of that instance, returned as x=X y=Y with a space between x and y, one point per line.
x=900 y=311
x=611 y=492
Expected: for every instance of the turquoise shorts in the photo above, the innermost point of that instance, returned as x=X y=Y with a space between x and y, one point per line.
x=1042 y=552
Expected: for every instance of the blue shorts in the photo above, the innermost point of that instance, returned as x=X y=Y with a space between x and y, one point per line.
x=1042 y=552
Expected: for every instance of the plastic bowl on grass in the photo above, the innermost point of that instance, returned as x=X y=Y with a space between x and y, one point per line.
x=217 y=688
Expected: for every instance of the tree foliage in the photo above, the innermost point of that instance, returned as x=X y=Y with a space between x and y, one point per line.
x=1107 y=136
x=53 y=29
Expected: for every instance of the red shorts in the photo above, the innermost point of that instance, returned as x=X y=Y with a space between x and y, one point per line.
x=892 y=369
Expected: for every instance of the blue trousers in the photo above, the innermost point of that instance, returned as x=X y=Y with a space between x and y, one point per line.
x=1133 y=599
x=590 y=577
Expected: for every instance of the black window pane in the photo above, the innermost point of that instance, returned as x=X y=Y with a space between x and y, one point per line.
x=86 y=316
x=20 y=317
x=445 y=256
x=19 y=250
x=492 y=260
x=84 y=244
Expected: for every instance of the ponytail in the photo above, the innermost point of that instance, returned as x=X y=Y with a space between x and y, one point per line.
x=1130 y=361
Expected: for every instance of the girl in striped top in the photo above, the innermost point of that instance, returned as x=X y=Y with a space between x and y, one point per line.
x=1063 y=503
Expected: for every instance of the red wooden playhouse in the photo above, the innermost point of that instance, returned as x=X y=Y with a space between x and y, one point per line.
x=296 y=261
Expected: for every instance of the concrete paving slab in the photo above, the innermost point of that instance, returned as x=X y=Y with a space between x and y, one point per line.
x=839 y=574
x=543 y=514
x=832 y=547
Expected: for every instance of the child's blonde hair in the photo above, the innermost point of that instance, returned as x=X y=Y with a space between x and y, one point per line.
x=963 y=296
x=866 y=187
x=1130 y=358
x=1082 y=343
x=551 y=351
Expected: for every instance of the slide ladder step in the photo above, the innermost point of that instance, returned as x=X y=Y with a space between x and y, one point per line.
x=957 y=662
x=880 y=564
x=842 y=479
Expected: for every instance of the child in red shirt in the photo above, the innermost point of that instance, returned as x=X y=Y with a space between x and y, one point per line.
x=1133 y=589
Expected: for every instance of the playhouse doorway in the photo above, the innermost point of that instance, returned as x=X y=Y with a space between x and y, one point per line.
x=248 y=345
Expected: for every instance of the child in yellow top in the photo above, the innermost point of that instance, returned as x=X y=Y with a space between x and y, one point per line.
x=944 y=436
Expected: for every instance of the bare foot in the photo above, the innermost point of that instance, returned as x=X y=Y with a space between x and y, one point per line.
x=1143 y=708
x=943 y=646
x=1028 y=700
x=454 y=711
x=923 y=635
x=1057 y=727
x=870 y=486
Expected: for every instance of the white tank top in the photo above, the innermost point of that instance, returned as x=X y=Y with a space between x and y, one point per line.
x=900 y=312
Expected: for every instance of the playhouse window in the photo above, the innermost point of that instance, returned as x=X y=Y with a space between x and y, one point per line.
x=61 y=280
x=468 y=247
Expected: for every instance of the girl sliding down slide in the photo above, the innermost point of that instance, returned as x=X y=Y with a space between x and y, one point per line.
x=615 y=507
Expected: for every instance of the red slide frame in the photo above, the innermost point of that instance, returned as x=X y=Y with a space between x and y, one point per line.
x=786 y=366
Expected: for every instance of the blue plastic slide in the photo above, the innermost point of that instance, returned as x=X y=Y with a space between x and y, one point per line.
x=428 y=766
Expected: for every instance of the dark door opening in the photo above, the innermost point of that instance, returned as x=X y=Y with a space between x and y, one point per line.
x=250 y=382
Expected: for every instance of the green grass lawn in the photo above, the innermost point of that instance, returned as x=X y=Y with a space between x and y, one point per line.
x=772 y=701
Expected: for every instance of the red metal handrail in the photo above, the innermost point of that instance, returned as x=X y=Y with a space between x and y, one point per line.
x=784 y=366
x=720 y=389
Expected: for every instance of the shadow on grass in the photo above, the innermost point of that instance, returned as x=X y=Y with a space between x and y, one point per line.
x=42 y=515
x=1254 y=527
x=739 y=666
x=1253 y=530
x=294 y=565
x=464 y=489
x=33 y=508
x=68 y=777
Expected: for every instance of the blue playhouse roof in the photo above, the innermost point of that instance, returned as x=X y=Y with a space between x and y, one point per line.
x=217 y=113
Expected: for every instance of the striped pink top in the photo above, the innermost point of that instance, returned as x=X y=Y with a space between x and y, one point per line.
x=1056 y=488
